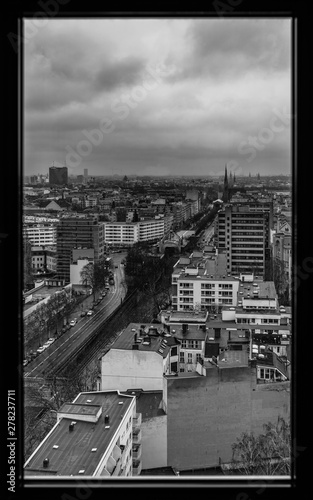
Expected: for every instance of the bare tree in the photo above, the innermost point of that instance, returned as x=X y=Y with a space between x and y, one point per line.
x=95 y=275
x=266 y=454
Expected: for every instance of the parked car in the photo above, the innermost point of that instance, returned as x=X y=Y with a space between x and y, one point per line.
x=73 y=322
x=40 y=349
x=25 y=362
x=51 y=340
x=82 y=314
x=89 y=313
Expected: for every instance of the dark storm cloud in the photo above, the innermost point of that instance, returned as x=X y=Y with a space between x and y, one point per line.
x=118 y=73
x=237 y=47
x=227 y=77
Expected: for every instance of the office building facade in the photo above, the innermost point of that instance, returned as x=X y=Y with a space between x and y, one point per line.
x=77 y=231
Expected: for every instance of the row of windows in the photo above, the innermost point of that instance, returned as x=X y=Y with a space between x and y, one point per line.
x=252 y=320
x=212 y=301
x=191 y=344
x=189 y=358
x=247 y=251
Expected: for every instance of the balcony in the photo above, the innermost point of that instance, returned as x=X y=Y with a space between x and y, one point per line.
x=117 y=468
x=136 y=451
x=116 y=453
x=111 y=464
x=136 y=467
x=137 y=420
x=136 y=436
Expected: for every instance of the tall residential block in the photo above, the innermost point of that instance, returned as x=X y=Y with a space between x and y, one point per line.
x=244 y=232
x=76 y=231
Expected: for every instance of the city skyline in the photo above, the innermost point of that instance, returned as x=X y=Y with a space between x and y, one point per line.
x=158 y=97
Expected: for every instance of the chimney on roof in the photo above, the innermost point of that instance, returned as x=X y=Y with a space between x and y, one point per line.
x=45 y=462
x=106 y=419
x=135 y=337
x=185 y=327
x=71 y=427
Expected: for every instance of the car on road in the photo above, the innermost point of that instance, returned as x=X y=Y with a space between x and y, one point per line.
x=73 y=322
x=89 y=313
x=107 y=287
x=104 y=294
x=83 y=313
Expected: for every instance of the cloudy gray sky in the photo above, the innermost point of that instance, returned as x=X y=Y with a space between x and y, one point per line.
x=158 y=96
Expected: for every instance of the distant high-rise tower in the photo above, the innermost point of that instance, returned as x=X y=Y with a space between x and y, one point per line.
x=58 y=176
x=86 y=173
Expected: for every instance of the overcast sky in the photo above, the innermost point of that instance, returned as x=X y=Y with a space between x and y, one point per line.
x=162 y=96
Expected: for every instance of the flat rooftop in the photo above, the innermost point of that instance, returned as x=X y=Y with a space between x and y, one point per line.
x=71 y=451
x=188 y=316
x=149 y=338
x=148 y=403
x=265 y=289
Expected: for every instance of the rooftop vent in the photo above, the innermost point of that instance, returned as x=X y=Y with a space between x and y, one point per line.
x=133 y=329
x=45 y=462
x=121 y=402
x=93 y=449
x=55 y=446
x=81 y=471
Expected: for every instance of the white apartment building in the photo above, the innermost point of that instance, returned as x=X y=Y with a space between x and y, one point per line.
x=199 y=286
x=106 y=428
x=40 y=233
x=128 y=233
x=139 y=358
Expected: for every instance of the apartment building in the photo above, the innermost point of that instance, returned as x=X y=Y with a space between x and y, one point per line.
x=94 y=436
x=140 y=357
x=78 y=231
x=40 y=233
x=44 y=257
x=244 y=232
x=128 y=233
x=203 y=284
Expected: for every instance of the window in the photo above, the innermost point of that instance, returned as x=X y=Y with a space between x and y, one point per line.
x=174 y=351
x=182 y=357
x=198 y=357
x=189 y=358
